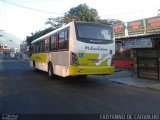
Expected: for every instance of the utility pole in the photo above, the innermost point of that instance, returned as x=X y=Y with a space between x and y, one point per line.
x=1 y=39
x=158 y=12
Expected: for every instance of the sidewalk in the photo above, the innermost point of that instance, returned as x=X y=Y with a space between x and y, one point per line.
x=124 y=77
x=7 y=60
x=13 y=60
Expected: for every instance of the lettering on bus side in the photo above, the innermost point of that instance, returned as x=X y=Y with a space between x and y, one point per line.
x=95 y=48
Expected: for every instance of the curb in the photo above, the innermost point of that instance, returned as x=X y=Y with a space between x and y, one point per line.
x=142 y=84
x=119 y=70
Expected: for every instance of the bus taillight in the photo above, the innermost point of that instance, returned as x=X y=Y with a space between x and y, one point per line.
x=74 y=59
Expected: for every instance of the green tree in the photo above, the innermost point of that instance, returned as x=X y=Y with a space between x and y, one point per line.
x=109 y=21
x=37 y=34
x=55 y=22
x=81 y=13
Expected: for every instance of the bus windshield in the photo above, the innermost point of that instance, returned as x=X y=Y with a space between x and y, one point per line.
x=93 y=33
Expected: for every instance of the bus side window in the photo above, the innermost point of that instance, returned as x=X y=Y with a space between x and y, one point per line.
x=53 y=43
x=47 y=45
x=41 y=46
x=31 y=49
x=63 y=40
x=37 y=48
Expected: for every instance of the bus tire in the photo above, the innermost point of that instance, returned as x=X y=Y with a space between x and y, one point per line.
x=82 y=77
x=50 y=70
x=34 y=66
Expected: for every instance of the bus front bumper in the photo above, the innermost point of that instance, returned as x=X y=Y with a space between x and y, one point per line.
x=91 y=70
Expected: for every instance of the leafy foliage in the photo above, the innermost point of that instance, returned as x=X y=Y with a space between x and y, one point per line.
x=79 y=13
x=37 y=34
x=55 y=22
x=108 y=21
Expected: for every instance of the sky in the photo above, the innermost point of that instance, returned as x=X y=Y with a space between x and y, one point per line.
x=23 y=17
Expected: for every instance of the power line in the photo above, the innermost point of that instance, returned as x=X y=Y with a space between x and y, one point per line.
x=37 y=10
x=131 y=12
x=26 y=1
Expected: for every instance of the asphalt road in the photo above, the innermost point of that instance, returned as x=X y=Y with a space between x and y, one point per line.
x=24 y=91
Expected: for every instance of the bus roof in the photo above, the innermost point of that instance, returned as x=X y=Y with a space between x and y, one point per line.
x=50 y=33
x=63 y=27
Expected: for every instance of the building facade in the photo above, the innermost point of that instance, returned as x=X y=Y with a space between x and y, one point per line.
x=142 y=39
x=23 y=47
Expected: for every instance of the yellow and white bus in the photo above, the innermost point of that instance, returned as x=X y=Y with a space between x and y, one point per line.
x=76 y=49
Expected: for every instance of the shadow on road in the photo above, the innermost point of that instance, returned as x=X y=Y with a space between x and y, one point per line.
x=89 y=81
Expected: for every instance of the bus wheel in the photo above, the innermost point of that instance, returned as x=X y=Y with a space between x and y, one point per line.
x=82 y=77
x=50 y=70
x=34 y=66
